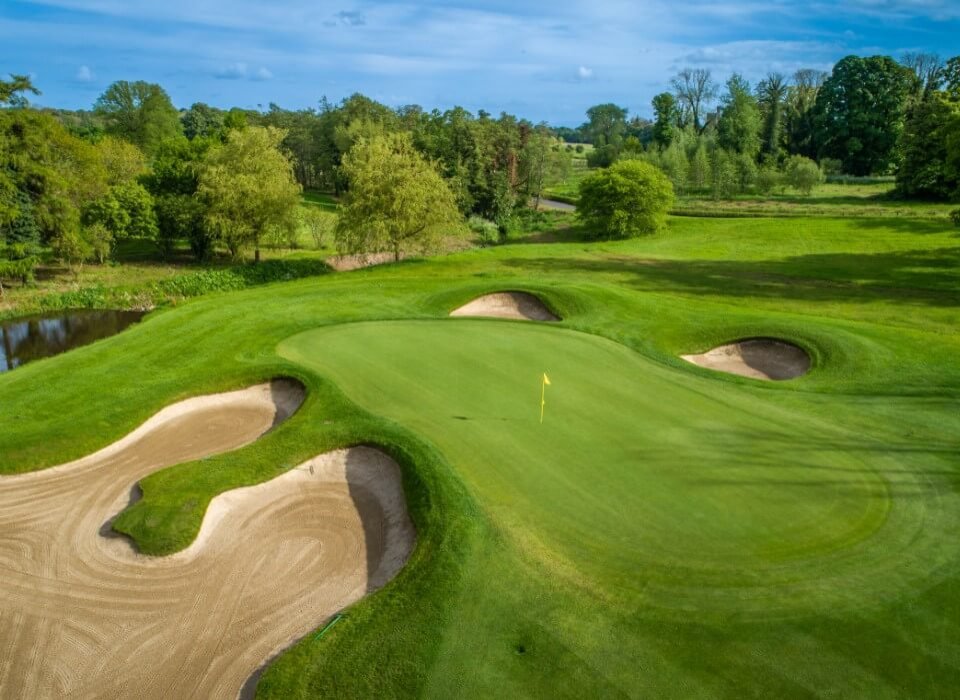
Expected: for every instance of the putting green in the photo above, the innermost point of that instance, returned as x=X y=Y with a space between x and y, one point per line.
x=645 y=484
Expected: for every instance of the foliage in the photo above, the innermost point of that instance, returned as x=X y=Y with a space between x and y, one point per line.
x=606 y=124
x=771 y=96
x=738 y=128
x=768 y=179
x=925 y=144
x=248 y=189
x=12 y=91
x=695 y=91
x=139 y=112
x=487 y=231
x=802 y=174
x=397 y=200
x=667 y=119
x=319 y=224
x=202 y=121
x=124 y=163
x=860 y=113
x=955 y=217
x=628 y=199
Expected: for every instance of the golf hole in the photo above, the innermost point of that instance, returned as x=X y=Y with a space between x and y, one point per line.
x=768 y=359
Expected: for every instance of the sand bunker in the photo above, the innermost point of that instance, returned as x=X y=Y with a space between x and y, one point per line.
x=516 y=305
x=759 y=358
x=84 y=615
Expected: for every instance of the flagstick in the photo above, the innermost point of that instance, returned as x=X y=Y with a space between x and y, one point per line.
x=543 y=397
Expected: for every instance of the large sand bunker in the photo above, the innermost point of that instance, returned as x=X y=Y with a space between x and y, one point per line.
x=759 y=358
x=516 y=305
x=84 y=615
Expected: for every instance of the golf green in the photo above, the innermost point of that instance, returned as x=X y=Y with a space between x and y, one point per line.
x=649 y=485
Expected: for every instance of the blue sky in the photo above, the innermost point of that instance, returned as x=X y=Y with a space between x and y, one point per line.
x=542 y=61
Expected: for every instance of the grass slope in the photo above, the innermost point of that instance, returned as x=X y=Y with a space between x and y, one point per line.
x=824 y=558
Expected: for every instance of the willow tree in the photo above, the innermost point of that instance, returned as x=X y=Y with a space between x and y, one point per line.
x=397 y=201
x=248 y=188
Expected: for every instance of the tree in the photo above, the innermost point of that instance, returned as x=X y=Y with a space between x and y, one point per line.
x=123 y=161
x=607 y=124
x=11 y=91
x=771 y=93
x=202 y=120
x=738 y=129
x=799 y=122
x=860 y=113
x=139 y=112
x=628 y=199
x=543 y=163
x=248 y=188
x=926 y=67
x=397 y=200
x=667 y=118
x=802 y=174
x=695 y=90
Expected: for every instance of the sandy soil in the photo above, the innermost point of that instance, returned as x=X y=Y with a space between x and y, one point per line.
x=517 y=305
x=759 y=358
x=345 y=263
x=83 y=615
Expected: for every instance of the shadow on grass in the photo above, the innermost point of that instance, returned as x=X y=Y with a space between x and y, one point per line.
x=919 y=277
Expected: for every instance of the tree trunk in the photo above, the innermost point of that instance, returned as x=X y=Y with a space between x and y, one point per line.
x=396 y=251
x=256 y=255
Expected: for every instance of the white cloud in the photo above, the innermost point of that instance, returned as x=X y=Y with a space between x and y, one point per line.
x=235 y=71
x=584 y=73
x=262 y=74
x=84 y=74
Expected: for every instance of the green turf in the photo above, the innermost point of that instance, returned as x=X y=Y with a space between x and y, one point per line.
x=668 y=531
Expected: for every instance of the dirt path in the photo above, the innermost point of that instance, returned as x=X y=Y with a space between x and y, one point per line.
x=83 y=615
x=516 y=305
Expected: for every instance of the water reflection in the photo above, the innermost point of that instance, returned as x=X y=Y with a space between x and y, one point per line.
x=26 y=339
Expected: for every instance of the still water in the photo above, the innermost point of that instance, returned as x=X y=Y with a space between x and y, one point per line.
x=26 y=339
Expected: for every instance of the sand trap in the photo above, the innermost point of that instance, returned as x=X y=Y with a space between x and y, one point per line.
x=84 y=615
x=516 y=305
x=759 y=358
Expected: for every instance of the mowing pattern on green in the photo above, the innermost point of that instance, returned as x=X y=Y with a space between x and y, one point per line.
x=642 y=485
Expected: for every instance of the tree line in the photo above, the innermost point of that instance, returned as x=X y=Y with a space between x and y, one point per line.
x=869 y=116
x=76 y=182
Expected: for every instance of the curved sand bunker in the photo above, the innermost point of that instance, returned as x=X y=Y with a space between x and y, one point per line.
x=759 y=358
x=516 y=305
x=83 y=615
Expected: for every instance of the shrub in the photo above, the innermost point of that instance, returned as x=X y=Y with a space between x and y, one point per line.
x=602 y=157
x=486 y=230
x=768 y=179
x=803 y=174
x=831 y=166
x=955 y=215
x=628 y=199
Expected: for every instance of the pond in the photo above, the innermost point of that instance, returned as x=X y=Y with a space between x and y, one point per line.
x=26 y=339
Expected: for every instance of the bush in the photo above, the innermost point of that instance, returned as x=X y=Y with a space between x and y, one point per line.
x=831 y=166
x=955 y=215
x=628 y=199
x=486 y=230
x=803 y=174
x=602 y=157
x=768 y=179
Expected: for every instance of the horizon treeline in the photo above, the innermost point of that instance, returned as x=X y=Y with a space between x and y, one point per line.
x=75 y=181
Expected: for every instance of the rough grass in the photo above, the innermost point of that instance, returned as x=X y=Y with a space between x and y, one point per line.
x=668 y=532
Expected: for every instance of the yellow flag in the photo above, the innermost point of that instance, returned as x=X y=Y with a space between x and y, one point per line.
x=543 y=394
x=546 y=379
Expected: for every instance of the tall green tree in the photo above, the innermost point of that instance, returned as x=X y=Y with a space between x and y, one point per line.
x=202 y=120
x=12 y=92
x=607 y=124
x=929 y=144
x=860 y=113
x=397 y=201
x=738 y=128
x=771 y=95
x=139 y=112
x=799 y=124
x=667 y=118
x=248 y=188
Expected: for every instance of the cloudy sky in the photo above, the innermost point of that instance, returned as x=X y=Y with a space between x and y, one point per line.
x=502 y=55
